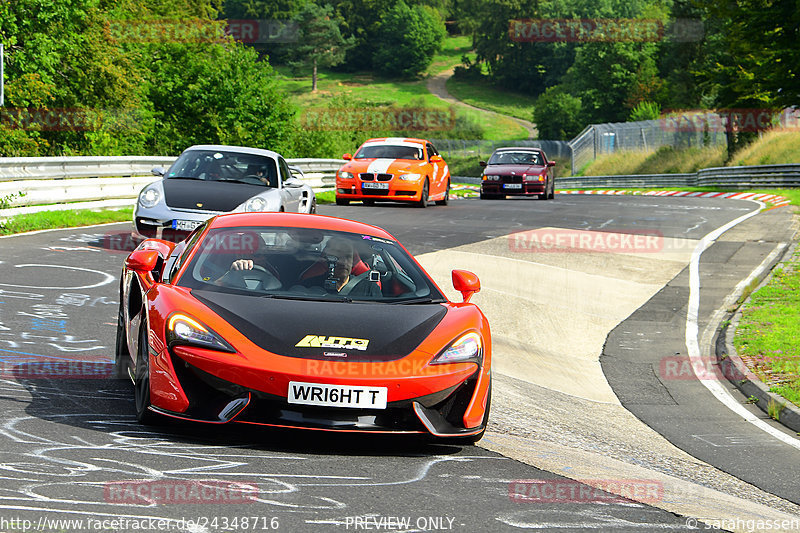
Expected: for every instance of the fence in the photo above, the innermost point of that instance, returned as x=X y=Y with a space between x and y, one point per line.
x=606 y=138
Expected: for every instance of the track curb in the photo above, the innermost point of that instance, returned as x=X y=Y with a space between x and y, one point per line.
x=736 y=371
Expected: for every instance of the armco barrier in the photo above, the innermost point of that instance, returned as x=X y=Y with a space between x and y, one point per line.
x=747 y=177
x=56 y=180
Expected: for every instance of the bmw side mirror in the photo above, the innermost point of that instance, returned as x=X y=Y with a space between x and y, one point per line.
x=347 y=157
x=482 y=163
x=551 y=163
x=466 y=283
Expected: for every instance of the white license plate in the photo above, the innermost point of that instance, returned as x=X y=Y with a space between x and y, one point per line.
x=185 y=225
x=375 y=185
x=512 y=185
x=337 y=395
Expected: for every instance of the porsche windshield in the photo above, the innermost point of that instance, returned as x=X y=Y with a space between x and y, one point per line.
x=390 y=151
x=213 y=165
x=516 y=158
x=308 y=264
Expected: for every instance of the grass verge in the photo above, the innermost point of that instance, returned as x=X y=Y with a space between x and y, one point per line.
x=481 y=93
x=766 y=338
x=63 y=219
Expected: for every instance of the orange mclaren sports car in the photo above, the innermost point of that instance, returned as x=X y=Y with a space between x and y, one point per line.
x=303 y=321
x=396 y=169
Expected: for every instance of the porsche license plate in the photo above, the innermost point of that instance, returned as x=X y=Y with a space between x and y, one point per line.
x=337 y=395
x=375 y=185
x=185 y=225
x=512 y=185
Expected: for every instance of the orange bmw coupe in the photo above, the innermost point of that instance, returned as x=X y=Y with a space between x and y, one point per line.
x=394 y=169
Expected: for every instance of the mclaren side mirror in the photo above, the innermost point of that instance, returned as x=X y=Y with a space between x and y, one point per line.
x=142 y=261
x=466 y=283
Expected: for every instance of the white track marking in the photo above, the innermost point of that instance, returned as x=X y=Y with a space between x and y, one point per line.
x=692 y=342
x=107 y=278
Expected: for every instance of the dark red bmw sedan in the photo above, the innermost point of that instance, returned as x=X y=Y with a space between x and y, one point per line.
x=518 y=172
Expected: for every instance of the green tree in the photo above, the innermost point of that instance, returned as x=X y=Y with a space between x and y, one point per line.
x=408 y=39
x=558 y=115
x=320 y=42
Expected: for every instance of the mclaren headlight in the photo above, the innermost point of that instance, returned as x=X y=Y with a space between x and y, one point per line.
x=183 y=329
x=256 y=204
x=467 y=348
x=149 y=197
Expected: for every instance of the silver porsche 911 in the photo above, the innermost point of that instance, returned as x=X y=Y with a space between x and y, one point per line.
x=207 y=180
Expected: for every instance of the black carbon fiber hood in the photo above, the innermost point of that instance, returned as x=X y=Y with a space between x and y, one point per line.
x=327 y=330
x=212 y=195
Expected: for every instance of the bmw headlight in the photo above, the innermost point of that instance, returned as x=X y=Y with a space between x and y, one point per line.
x=183 y=329
x=410 y=177
x=467 y=348
x=149 y=197
x=346 y=175
x=255 y=204
x=489 y=177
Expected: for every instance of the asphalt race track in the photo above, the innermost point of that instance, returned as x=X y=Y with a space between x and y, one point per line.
x=72 y=450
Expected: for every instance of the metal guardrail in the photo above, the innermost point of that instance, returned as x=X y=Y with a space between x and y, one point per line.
x=747 y=177
x=30 y=181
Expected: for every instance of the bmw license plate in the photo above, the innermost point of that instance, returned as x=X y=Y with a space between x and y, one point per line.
x=512 y=185
x=375 y=185
x=185 y=225
x=337 y=395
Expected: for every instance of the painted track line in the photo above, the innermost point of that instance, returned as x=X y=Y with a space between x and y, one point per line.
x=693 y=344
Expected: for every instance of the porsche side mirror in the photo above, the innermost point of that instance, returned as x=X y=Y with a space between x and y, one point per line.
x=297 y=171
x=292 y=183
x=436 y=159
x=158 y=171
x=142 y=261
x=482 y=163
x=347 y=157
x=466 y=283
x=551 y=163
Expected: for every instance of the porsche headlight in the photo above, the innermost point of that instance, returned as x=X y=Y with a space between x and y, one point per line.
x=467 y=348
x=410 y=177
x=184 y=329
x=149 y=197
x=346 y=175
x=255 y=204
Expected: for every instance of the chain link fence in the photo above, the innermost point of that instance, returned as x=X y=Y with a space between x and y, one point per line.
x=599 y=139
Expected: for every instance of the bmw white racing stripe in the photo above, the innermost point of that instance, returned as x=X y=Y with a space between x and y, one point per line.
x=380 y=166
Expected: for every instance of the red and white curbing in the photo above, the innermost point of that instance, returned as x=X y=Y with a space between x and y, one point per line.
x=773 y=199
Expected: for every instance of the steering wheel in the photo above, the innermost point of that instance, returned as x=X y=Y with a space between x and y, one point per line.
x=257 y=279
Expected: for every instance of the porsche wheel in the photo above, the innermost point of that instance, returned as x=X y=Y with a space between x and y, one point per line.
x=141 y=386
x=446 y=199
x=423 y=200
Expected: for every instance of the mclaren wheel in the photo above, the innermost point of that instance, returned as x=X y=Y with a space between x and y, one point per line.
x=141 y=386
x=121 y=355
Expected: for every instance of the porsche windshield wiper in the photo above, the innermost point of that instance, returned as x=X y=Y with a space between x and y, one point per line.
x=182 y=178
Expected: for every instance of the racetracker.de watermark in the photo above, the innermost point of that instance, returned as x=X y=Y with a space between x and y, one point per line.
x=57 y=369
x=603 y=30
x=556 y=240
x=730 y=120
x=371 y=119
x=180 y=491
x=195 y=30
x=585 y=491
x=69 y=119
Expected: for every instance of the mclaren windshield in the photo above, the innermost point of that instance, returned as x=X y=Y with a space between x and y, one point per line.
x=307 y=264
